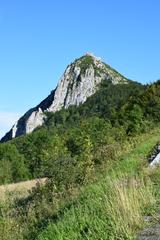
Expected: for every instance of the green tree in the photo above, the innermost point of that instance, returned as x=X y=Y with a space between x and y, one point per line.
x=12 y=166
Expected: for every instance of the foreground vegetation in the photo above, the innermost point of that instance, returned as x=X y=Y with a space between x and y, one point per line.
x=94 y=157
x=82 y=136
x=110 y=206
x=113 y=207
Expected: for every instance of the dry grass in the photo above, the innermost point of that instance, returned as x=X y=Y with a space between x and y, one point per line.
x=126 y=200
x=20 y=189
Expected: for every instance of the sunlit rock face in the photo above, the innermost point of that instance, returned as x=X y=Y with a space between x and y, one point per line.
x=154 y=158
x=80 y=80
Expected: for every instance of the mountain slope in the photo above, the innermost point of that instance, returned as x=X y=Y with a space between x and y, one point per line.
x=79 y=81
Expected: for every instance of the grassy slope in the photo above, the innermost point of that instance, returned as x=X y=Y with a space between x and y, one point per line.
x=113 y=208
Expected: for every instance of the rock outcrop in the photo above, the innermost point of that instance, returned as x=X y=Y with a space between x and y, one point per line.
x=154 y=157
x=79 y=81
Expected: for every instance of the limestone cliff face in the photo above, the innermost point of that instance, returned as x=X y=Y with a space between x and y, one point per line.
x=79 y=81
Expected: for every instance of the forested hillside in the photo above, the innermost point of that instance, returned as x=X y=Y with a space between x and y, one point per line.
x=76 y=134
x=80 y=134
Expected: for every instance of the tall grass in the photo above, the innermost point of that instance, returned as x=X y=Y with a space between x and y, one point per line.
x=112 y=210
x=126 y=200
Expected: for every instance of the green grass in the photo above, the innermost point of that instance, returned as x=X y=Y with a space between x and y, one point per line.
x=112 y=208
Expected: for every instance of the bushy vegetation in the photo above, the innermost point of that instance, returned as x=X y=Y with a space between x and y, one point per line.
x=98 y=126
x=91 y=188
x=12 y=167
x=110 y=206
x=76 y=134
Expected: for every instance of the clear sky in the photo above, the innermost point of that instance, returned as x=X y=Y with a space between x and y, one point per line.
x=39 y=38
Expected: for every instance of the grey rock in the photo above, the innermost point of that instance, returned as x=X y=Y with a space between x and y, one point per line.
x=154 y=158
x=149 y=238
x=155 y=161
x=148 y=219
x=150 y=233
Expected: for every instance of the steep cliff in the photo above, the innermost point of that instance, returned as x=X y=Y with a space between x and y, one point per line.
x=79 y=81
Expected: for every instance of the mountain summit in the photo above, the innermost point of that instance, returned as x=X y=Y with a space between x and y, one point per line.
x=79 y=81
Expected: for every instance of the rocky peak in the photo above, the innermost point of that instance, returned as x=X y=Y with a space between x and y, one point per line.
x=80 y=80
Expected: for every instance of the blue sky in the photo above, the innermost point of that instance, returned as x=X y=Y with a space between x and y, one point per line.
x=38 y=39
